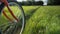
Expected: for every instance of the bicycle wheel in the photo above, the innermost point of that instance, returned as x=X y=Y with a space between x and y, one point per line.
x=14 y=27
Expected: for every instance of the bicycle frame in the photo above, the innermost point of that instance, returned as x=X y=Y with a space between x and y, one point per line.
x=7 y=5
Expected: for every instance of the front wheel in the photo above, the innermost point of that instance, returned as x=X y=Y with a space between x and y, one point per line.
x=15 y=27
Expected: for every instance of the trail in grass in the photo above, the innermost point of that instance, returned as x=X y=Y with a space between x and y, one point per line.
x=30 y=12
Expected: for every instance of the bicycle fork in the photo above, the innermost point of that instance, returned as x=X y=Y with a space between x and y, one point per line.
x=7 y=5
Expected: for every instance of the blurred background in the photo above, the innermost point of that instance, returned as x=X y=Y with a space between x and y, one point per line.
x=39 y=2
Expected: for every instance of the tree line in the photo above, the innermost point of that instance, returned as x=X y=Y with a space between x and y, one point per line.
x=54 y=2
x=50 y=2
x=31 y=3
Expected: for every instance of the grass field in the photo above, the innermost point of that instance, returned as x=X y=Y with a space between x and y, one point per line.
x=42 y=19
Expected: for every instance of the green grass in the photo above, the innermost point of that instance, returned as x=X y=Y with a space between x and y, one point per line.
x=45 y=20
x=42 y=19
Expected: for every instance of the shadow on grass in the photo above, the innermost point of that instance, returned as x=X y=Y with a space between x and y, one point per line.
x=58 y=16
x=31 y=12
x=55 y=32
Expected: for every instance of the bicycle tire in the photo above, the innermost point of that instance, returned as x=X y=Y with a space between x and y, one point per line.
x=15 y=24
